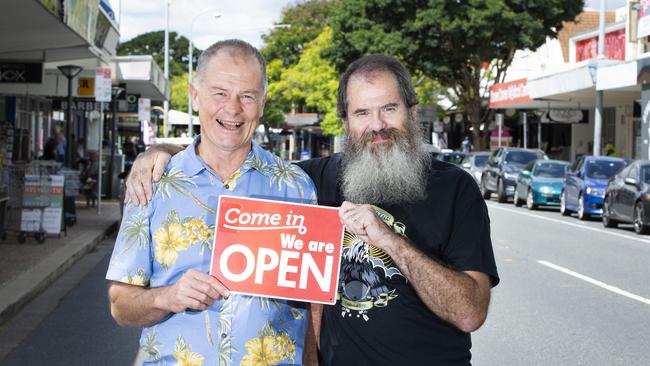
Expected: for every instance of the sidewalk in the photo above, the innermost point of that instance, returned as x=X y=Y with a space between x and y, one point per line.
x=26 y=269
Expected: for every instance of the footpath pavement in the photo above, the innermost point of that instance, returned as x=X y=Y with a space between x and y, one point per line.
x=29 y=268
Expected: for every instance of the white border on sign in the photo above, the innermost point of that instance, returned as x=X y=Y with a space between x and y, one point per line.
x=340 y=245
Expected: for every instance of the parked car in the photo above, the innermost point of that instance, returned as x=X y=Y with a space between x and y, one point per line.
x=540 y=183
x=627 y=198
x=503 y=167
x=585 y=184
x=474 y=163
x=452 y=157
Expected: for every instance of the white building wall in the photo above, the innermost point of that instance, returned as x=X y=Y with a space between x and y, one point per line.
x=582 y=137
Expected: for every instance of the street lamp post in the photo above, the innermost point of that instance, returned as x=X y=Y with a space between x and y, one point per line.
x=115 y=91
x=190 y=131
x=69 y=71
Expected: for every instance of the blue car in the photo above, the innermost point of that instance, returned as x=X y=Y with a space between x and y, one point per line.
x=540 y=183
x=585 y=185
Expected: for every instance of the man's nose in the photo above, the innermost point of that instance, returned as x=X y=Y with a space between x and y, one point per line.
x=233 y=105
x=377 y=122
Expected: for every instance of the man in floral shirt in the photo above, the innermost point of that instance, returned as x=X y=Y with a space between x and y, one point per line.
x=159 y=268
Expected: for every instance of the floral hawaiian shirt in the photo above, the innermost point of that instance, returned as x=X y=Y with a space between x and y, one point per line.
x=156 y=244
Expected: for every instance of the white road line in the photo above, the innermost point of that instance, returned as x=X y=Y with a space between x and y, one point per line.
x=596 y=282
x=581 y=226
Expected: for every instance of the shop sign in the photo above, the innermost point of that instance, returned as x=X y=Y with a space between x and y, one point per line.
x=144 y=109
x=587 y=49
x=103 y=87
x=643 y=25
x=277 y=249
x=86 y=87
x=78 y=104
x=564 y=116
x=21 y=72
x=512 y=92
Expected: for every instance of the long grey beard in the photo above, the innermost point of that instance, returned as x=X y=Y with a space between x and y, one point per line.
x=392 y=175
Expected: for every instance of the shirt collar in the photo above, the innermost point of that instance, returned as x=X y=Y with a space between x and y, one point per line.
x=194 y=164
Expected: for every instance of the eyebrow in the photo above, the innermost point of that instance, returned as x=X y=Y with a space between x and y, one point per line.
x=393 y=104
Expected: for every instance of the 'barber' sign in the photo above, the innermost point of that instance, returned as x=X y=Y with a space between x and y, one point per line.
x=277 y=249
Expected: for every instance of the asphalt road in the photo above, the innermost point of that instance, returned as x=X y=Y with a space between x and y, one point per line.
x=73 y=325
x=571 y=292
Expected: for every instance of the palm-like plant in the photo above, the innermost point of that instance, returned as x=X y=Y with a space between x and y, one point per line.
x=150 y=346
x=136 y=231
x=177 y=181
x=289 y=174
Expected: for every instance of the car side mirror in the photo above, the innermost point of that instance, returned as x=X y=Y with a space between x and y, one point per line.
x=525 y=173
x=631 y=181
x=467 y=165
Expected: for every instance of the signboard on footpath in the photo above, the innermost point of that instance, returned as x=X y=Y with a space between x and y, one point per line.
x=277 y=249
x=43 y=204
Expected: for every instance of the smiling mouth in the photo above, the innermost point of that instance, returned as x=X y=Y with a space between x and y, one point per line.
x=228 y=125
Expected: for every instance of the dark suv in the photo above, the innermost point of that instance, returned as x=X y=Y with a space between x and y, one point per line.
x=503 y=167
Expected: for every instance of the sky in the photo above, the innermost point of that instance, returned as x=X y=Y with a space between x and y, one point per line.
x=244 y=19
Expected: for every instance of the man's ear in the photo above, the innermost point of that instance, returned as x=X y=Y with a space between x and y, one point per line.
x=263 y=105
x=194 y=93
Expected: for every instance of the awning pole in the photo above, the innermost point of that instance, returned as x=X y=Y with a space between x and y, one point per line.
x=525 y=120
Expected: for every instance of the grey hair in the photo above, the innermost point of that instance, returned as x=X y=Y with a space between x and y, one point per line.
x=368 y=65
x=236 y=47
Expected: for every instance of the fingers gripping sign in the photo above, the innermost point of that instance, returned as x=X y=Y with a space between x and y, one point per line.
x=362 y=220
x=195 y=290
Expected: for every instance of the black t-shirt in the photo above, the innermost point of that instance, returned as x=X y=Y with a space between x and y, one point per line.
x=378 y=318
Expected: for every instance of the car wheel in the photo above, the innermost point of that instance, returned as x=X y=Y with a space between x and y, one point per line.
x=484 y=191
x=515 y=198
x=529 y=201
x=607 y=216
x=639 y=225
x=563 y=210
x=501 y=192
x=581 y=208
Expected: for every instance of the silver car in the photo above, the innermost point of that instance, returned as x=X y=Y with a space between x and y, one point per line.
x=474 y=164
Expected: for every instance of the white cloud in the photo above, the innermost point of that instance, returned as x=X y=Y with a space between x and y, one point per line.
x=244 y=19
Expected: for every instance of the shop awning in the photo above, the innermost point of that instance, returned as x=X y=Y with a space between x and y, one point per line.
x=32 y=31
x=568 y=89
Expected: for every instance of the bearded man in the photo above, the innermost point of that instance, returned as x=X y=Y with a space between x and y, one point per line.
x=417 y=265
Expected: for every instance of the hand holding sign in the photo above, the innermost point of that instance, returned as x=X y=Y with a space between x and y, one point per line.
x=277 y=249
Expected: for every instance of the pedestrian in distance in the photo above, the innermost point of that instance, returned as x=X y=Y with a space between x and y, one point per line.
x=160 y=263
x=418 y=265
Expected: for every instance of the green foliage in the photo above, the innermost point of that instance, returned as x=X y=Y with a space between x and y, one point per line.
x=178 y=92
x=153 y=43
x=307 y=20
x=447 y=40
x=283 y=49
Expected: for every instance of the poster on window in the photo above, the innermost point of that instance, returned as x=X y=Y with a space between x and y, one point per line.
x=277 y=249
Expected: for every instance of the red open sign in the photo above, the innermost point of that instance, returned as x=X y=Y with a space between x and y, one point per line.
x=277 y=249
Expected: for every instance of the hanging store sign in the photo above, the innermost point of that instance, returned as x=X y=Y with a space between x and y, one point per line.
x=102 y=84
x=86 y=87
x=511 y=92
x=21 y=72
x=564 y=116
x=144 y=109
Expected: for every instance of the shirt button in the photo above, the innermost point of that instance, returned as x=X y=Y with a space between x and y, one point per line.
x=227 y=186
x=224 y=335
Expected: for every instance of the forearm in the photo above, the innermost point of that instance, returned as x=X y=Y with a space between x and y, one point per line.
x=136 y=306
x=454 y=296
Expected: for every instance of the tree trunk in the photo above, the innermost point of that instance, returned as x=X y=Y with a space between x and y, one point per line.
x=473 y=110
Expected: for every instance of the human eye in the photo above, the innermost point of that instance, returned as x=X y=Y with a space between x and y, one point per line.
x=390 y=108
x=361 y=113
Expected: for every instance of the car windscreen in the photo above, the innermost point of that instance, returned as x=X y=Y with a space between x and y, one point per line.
x=549 y=170
x=452 y=158
x=601 y=169
x=645 y=174
x=520 y=158
x=479 y=160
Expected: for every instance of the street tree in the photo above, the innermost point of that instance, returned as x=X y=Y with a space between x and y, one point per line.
x=153 y=43
x=461 y=44
x=284 y=46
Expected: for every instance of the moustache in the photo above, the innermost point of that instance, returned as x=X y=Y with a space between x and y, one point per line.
x=391 y=134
